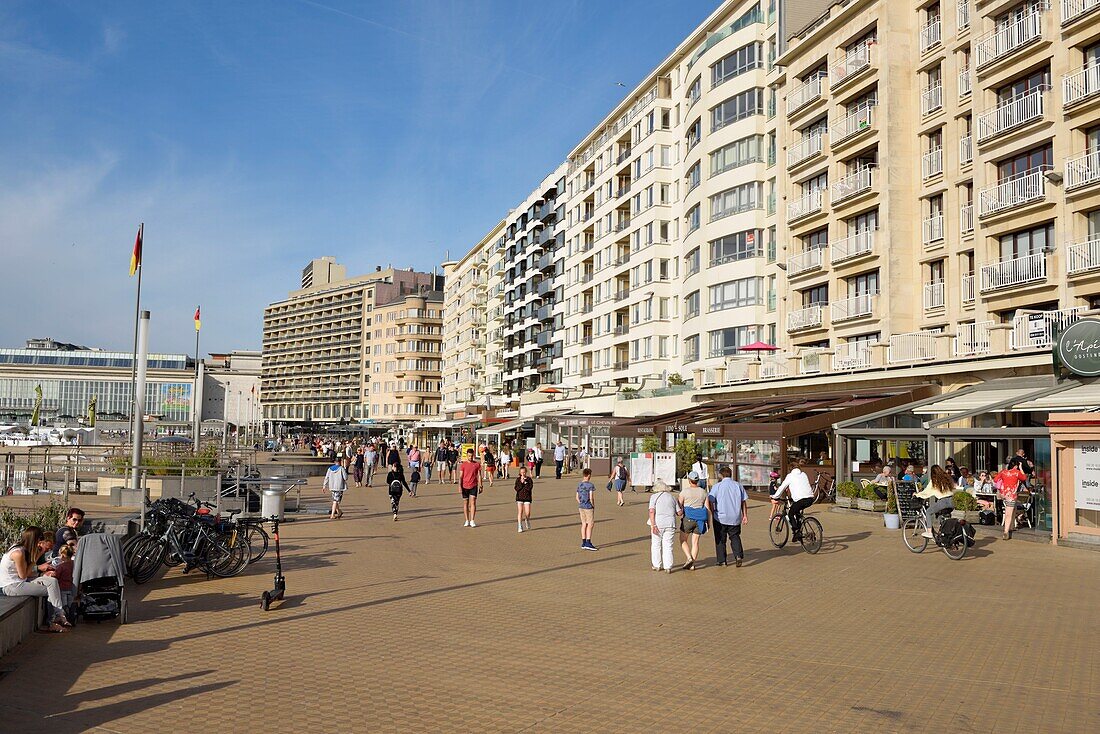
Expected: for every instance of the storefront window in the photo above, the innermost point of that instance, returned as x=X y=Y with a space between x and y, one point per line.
x=755 y=459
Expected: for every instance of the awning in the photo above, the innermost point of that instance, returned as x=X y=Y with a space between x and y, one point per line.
x=1085 y=396
x=449 y=424
x=967 y=400
x=501 y=428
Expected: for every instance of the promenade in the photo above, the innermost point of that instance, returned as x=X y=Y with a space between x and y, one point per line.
x=424 y=625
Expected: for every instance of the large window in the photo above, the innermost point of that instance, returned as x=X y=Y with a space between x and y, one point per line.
x=737 y=153
x=742 y=60
x=693 y=219
x=692 y=262
x=737 y=246
x=693 y=176
x=695 y=90
x=736 y=293
x=728 y=342
x=1026 y=242
x=738 y=199
x=1038 y=79
x=816 y=240
x=1029 y=160
x=863 y=285
x=691 y=348
x=691 y=305
x=738 y=107
x=694 y=133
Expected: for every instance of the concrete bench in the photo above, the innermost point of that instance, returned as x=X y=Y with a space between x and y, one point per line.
x=18 y=619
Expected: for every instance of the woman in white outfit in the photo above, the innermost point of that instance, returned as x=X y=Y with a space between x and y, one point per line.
x=19 y=577
x=663 y=513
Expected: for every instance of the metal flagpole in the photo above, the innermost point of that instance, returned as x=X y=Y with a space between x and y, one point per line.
x=137 y=319
x=137 y=428
x=196 y=409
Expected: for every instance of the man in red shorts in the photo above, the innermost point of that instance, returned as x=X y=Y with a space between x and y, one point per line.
x=470 y=482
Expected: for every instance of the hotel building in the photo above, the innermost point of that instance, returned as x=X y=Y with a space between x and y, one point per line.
x=407 y=358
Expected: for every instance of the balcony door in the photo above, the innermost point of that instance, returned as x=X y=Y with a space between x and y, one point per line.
x=863 y=285
x=1026 y=242
x=1029 y=160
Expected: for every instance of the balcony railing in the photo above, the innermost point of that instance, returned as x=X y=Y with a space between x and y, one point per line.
x=962 y=17
x=1084 y=170
x=1013 y=272
x=853 y=184
x=973 y=339
x=931 y=34
x=854 y=61
x=1074 y=9
x=773 y=366
x=916 y=346
x=1012 y=113
x=966 y=218
x=852 y=356
x=622 y=294
x=1023 y=188
x=1083 y=257
x=804 y=207
x=931 y=163
x=1037 y=330
x=804 y=94
x=1081 y=84
x=854 y=245
x=934 y=295
x=931 y=229
x=1007 y=39
x=966 y=288
x=805 y=149
x=810 y=361
x=855 y=122
x=803 y=262
x=966 y=150
x=810 y=317
x=855 y=307
x=964 y=81
x=622 y=330
x=931 y=99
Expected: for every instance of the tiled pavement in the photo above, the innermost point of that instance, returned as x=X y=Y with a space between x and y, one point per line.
x=423 y=625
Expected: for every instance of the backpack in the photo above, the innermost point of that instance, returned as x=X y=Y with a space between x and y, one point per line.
x=621 y=472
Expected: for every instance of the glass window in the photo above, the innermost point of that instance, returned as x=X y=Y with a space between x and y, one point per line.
x=863 y=285
x=728 y=342
x=737 y=153
x=693 y=176
x=692 y=260
x=1029 y=160
x=737 y=246
x=1026 y=242
x=738 y=107
x=738 y=199
x=736 y=293
x=691 y=348
x=691 y=305
x=742 y=60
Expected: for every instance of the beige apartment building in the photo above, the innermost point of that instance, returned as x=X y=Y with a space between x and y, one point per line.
x=318 y=351
x=407 y=349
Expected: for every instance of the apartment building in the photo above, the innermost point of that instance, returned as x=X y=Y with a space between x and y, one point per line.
x=941 y=182
x=406 y=369
x=317 y=343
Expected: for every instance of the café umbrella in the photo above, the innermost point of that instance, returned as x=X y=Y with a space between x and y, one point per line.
x=759 y=347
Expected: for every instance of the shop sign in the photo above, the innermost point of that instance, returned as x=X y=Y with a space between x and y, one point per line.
x=1086 y=474
x=1078 y=348
x=1037 y=326
x=710 y=430
x=676 y=428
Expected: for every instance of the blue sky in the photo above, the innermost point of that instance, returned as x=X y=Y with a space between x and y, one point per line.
x=253 y=136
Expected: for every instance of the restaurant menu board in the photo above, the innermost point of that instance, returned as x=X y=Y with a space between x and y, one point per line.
x=641 y=470
x=1086 y=470
x=664 y=468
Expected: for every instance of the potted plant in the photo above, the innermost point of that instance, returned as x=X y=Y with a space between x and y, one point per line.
x=966 y=507
x=869 y=500
x=891 y=518
x=846 y=493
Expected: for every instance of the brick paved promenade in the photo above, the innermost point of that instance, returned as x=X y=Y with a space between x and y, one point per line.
x=423 y=625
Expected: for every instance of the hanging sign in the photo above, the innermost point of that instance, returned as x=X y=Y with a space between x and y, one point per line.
x=1078 y=348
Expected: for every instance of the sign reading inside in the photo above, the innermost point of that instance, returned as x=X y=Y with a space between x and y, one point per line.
x=1078 y=348
x=1086 y=474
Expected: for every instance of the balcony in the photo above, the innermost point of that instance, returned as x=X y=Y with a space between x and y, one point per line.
x=931 y=99
x=966 y=288
x=852 y=356
x=621 y=366
x=1008 y=39
x=622 y=294
x=804 y=207
x=931 y=35
x=966 y=150
x=966 y=219
x=586 y=371
x=1037 y=330
x=1083 y=257
x=773 y=366
x=852 y=185
x=1084 y=170
x=855 y=122
x=811 y=317
x=622 y=224
x=1080 y=85
x=804 y=262
x=623 y=156
x=802 y=95
x=962 y=15
x=623 y=190
x=1014 y=272
x=546 y=313
x=847 y=68
x=810 y=362
x=1072 y=10
x=622 y=259
x=805 y=149
x=916 y=346
x=931 y=163
x=1012 y=113
x=932 y=230
x=1023 y=188
x=855 y=307
x=934 y=296
x=860 y=243
x=973 y=339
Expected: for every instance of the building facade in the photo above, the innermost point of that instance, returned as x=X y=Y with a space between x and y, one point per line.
x=231 y=392
x=406 y=368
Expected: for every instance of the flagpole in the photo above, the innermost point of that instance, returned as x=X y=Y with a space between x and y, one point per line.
x=196 y=409
x=137 y=320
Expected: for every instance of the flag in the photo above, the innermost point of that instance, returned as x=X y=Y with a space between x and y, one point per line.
x=198 y=320
x=135 y=259
x=91 y=411
x=36 y=415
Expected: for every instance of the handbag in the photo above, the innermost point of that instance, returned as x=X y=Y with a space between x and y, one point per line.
x=608 y=485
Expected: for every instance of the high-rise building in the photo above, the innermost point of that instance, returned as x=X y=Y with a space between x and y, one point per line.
x=407 y=352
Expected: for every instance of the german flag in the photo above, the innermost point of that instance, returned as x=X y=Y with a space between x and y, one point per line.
x=135 y=259
x=198 y=320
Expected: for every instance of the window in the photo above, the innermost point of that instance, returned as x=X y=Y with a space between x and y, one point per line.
x=737 y=153
x=1026 y=242
x=1038 y=79
x=691 y=305
x=816 y=240
x=866 y=222
x=1029 y=160
x=738 y=199
x=737 y=246
x=738 y=107
x=694 y=134
x=742 y=60
x=865 y=284
x=816 y=296
x=692 y=261
x=693 y=176
x=736 y=293
x=695 y=90
x=693 y=219
x=728 y=342
x=691 y=348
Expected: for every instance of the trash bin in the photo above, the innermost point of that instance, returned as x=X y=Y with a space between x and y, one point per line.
x=272 y=503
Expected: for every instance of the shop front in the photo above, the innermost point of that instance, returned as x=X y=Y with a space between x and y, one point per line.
x=1075 y=438
x=587 y=435
x=510 y=435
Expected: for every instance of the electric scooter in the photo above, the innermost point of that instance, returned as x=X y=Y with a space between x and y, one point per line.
x=279 y=591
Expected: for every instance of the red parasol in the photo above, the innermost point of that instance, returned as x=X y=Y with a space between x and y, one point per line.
x=759 y=347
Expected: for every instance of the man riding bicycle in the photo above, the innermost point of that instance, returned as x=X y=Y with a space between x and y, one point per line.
x=797 y=485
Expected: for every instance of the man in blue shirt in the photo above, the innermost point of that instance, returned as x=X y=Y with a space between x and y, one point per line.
x=729 y=507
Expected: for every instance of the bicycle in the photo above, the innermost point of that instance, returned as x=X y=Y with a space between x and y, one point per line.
x=824 y=488
x=779 y=530
x=913 y=530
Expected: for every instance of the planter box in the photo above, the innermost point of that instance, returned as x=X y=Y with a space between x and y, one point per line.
x=971 y=516
x=871 y=505
x=164 y=486
x=848 y=502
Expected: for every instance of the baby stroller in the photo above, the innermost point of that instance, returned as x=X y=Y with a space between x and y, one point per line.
x=98 y=576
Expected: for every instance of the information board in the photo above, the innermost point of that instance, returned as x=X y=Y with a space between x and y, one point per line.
x=664 y=468
x=1086 y=475
x=641 y=469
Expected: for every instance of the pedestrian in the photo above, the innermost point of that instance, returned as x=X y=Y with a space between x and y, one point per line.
x=531 y=461
x=559 y=460
x=393 y=458
x=524 y=485
x=729 y=510
x=336 y=482
x=414 y=481
x=370 y=461
x=490 y=464
x=1024 y=464
x=538 y=459
x=470 y=471
x=586 y=506
x=357 y=466
x=693 y=523
x=441 y=462
x=619 y=477
x=429 y=462
x=452 y=462
x=414 y=457
x=700 y=468
x=663 y=514
x=395 y=481
x=1007 y=483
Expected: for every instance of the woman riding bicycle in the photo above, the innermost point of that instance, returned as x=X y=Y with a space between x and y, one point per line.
x=939 y=494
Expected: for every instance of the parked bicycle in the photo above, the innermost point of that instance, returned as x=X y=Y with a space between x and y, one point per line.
x=177 y=533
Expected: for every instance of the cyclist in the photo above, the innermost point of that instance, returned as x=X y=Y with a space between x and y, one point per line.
x=797 y=485
x=939 y=493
